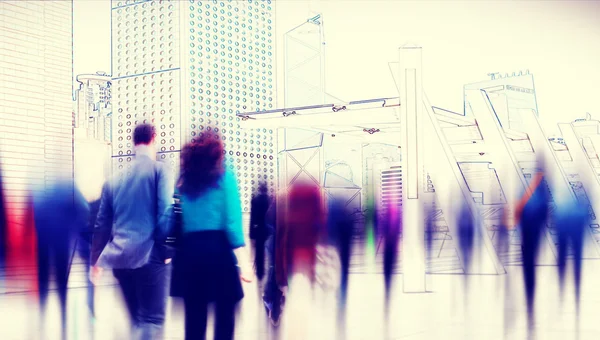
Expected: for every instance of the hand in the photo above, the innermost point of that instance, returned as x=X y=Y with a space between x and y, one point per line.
x=95 y=274
x=245 y=277
x=167 y=261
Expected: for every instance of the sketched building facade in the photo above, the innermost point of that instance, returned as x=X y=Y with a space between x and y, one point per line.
x=188 y=68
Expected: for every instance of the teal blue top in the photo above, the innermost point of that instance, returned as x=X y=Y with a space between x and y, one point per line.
x=217 y=208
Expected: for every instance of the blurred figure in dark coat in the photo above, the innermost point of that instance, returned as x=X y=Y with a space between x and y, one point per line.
x=391 y=224
x=258 y=228
x=273 y=296
x=571 y=220
x=533 y=214
x=340 y=232
x=502 y=233
x=60 y=212
x=429 y=230
x=466 y=237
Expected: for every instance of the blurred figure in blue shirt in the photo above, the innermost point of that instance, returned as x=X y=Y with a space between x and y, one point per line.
x=60 y=212
x=130 y=232
x=532 y=213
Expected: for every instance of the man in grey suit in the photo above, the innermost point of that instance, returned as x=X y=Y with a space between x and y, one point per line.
x=129 y=235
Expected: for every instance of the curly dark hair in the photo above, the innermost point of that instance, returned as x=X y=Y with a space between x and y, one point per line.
x=202 y=165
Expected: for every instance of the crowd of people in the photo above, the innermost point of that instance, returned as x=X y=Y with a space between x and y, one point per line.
x=184 y=238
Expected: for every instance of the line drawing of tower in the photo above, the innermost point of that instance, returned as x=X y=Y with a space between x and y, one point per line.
x=189 y=67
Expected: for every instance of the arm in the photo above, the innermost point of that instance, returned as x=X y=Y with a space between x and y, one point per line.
x=164 y=200
x=103 y=226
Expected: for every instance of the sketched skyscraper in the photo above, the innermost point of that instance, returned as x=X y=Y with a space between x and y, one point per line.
x=36 y=118
x=189 y=67
x=93 y=108
x=92 y=149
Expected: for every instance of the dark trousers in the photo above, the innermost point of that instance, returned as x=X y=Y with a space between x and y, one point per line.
x=345 y=250
x=53 y=252
x=272 y=292
x=574 y=237
x=196 y=312
x=390 y=254
x=84 y=249
x=259 y=257
x=208 y=271
x=145 y=291
x=530 y=238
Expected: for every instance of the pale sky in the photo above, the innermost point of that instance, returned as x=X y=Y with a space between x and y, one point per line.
x=462 y=41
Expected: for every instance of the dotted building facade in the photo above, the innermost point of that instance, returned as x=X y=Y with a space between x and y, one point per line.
x=188 y=67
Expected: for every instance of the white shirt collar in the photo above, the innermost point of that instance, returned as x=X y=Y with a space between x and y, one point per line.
x=145 y=150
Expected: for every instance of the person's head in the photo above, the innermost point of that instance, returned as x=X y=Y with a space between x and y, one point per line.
x=144 y=134
x=262 y=188
x=305 y=203
x=201 y=164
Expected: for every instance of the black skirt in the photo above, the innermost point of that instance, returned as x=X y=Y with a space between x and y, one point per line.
x=206 y=267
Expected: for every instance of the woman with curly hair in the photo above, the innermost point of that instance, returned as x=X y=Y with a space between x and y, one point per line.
x=211 y=231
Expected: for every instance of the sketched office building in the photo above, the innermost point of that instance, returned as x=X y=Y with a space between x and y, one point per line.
x=36 y=126
x=93 y=109
x=92 y=133
x=189 y=67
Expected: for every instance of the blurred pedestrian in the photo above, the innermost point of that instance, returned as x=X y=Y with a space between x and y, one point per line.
x=503 y=233
x=84 y=248
x=273 y=298
x=296 y=254
x=571 y=220
x=392 y=226
x=60 y=212
x=466 y=237
x=532 y=212
x=130 y=232
x=429 y=230
x=340 y=233
x=212 y=231
x=258 y=228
